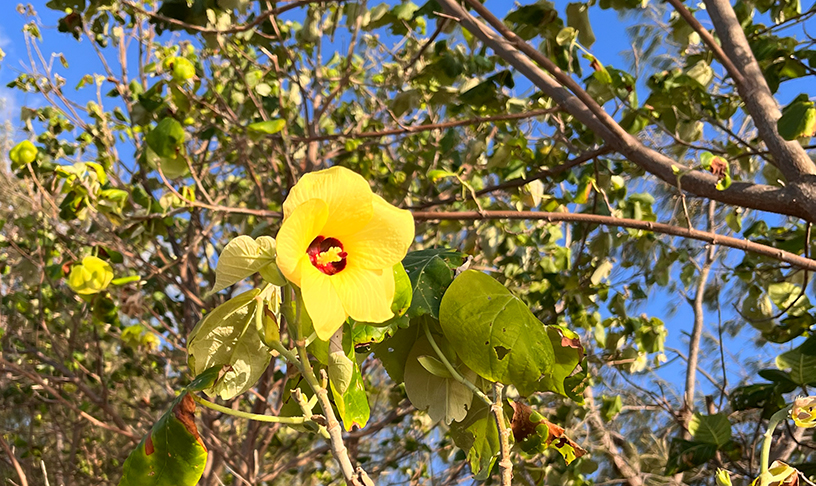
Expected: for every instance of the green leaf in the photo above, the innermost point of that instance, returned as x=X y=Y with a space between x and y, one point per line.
x=802 y=366
x=91 y=276
x=352 y=403
x=341 y=368
x=242 y=257
x=568 y=353
x=710 y=429
x=403 y=291
x=180 y=68
x=611 y=407
x=23 y=153
x=496 y=335
x=172 y=453
x=478 y=435
x=393 y=352
x=431 y=272
x=566 y=36
x=269 y=127
x=578 y=18
x=125 y=280
x=798 y=119
x=434 y=366
x=443 y=398
x=228 y=337
x=166 y=139
x=785 y=294
x=685 y=455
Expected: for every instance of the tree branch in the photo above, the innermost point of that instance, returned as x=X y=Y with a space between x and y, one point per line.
x=788 y=201
x=513 y=183
x=709 y=237
x=790 y=157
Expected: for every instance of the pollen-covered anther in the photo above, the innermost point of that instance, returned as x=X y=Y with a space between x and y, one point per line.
x=327 y=255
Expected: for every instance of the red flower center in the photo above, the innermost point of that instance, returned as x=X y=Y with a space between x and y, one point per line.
x=327 y=255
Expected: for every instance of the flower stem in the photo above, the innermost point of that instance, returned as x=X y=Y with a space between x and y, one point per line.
x=505 y=464
x=250 y=416
x=455 y=374
x=775 y=420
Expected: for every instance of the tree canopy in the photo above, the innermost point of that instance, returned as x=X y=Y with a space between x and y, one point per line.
x=605 y=255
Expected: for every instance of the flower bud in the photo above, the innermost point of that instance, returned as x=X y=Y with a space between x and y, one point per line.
x=803 y=412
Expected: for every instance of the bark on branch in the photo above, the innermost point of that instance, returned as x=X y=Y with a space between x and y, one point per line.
x=798 y=201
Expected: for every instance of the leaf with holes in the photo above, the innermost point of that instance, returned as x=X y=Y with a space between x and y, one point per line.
x=431 y=272
x=478 y=436
x=172 y=453
x=496 y=335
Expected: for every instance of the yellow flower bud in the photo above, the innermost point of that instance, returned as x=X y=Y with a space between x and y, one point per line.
x=803 y=412
x=723 y=477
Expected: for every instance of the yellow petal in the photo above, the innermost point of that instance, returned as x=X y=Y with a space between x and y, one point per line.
x=346 y=193
x=366 y=294
x=297 y=232
x=322 y=302
x=384 y=241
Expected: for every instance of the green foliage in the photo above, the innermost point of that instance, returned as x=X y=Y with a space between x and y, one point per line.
x=497 y=336
x=431 y=272
x=228 y=337
x=478 y=434
x=244 y=256
x=442 y=397
x=172 y=453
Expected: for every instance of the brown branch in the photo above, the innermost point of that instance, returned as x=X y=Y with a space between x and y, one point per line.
x=697 y=329
x=38 y=380
x=513 y=183
x=708 y=237
x=790 y=157
x=423 y=128
x=791 y=201
x=505 y=464
x=14 y=461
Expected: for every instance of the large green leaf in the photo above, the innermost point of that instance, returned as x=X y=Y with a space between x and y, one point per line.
x=444 y=398
x=242 y=257
x=172 y=453
x=496 y=335
x=430 y=271
x=478 y=436
x=228 y=337
x=710 y=429
x=802 y=366
x=685 y=455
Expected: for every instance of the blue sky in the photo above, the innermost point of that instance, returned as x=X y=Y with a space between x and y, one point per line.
x=611 y=44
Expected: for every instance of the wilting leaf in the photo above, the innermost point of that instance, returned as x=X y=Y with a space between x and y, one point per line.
x=172 y=453
x=228 y=337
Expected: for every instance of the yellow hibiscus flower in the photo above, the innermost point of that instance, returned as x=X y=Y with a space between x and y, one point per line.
x=338 y=243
